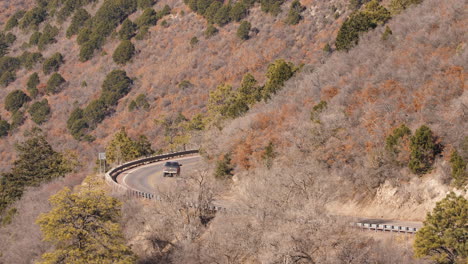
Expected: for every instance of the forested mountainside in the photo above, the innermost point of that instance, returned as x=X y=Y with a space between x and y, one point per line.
x=175 y=64
x=304 y=112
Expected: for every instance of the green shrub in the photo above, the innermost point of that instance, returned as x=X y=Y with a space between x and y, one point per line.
x=83 y=36
x=224 y=168
x=55 y=83
x=359 y=22
x=238 y=12
x=10 y=38
x=13 y=20
x=317 y=109
x=128 y=30
x=132 y=106
x=294 y=14
x=423 y=150
x=32 y=84
x=17 y=119
x=4 y=128
x=116 y=85
x=396 y=6
x=53 y=63
x=80 y=18
x=244 y=30
x=143 y=4
x=15 y=100
x=9 y=64
x=327 y=48
x=142 y=32
x=33 y=18
x=193 y=41
x=4 y=46
x=210 y=31
x=392 y=141
x=124 y=52
x=222 y=16
x=95 y=112
x=40 y=111
x=76 y=124
x=459 y=172
x=48 y=36
x=7 y=77
x=142 y=102
x=249 y=91
x=107 y=18
x=29 y=60
x=164 y=12
x=87 y=52
x=148 y=18
x=210 y=13
x=271 y=6
x=185 y=84
x=278 y=73
x=387 y=33
x=34 y=39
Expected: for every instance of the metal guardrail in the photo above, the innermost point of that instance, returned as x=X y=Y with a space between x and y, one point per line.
x=386 y=228
x=111 y=178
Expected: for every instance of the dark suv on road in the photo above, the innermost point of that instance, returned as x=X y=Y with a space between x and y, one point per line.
x=171 y=169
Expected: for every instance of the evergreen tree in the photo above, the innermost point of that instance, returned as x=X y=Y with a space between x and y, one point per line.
x=40 y=111
x=53 y=63
x=12 y=22
x=249 y=91
x=128 y=30
x=423 y=150
x=359 y=22
x=124 y=52
x=80 y=18
x=222 y=15
x=210 y=31
x=294 y=14
x=4 y=128
x=278 y=73
x=444 y=236
x=15 y=100
x=32 y=84
x=148 y=18
x=224 y=168
x=84 y=227
x=459 y=172
x=122 y=148
x=238 y=11
x=54 y=84
x=244 y=30
x=396 y=6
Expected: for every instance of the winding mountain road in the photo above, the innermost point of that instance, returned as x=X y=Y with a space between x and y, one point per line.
x=149 y=179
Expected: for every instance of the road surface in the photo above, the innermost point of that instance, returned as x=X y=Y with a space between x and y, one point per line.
x=149 y=178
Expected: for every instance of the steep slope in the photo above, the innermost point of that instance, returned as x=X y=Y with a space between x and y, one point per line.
x=164 y=59
x=333 y=120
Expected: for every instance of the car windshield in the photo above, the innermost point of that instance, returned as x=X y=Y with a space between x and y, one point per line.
x=171 y=164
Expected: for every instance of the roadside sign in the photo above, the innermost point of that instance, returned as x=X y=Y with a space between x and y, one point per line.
x=102 y=155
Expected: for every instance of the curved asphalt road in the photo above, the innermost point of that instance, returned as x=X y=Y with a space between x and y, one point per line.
x=149 y=178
